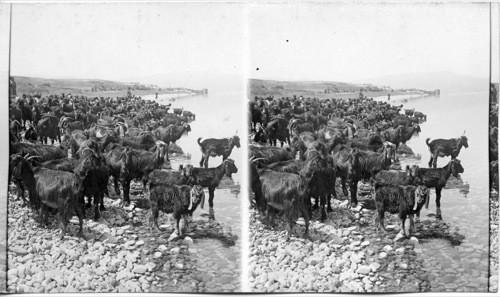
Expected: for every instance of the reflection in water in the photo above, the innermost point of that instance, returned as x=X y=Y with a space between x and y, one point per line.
x=463 y=267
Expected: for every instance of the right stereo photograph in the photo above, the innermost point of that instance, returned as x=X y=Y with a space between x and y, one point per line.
x=368 y=147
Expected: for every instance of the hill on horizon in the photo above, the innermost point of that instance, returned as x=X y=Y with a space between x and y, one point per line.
x=218 y=81
x=443 y=80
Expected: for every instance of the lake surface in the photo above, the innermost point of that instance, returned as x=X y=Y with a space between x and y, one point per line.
x=463 y=267
x=218 y=115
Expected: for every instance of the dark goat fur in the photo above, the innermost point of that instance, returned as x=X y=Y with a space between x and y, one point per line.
x=437 y=177
x=180 y=201
x=210 y=178
x=396 y=200
x=286 y=192
x=445 y=147
x=213 y=147
x=45 y=152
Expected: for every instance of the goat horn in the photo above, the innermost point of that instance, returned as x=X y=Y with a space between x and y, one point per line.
x=257 y=159
x=191 y=200
x=464 y=132
x=33 y=157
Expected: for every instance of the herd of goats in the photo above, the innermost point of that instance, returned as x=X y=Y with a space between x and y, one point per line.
x=93 y=139
x=349 y=139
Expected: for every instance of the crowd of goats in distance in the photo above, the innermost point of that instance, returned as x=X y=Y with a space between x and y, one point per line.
x=93 y=139
x=346 y=139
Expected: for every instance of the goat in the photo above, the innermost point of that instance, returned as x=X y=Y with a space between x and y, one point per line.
x=181 y=177
x=171 y=134
x=396 y=200
x=45 y=152
x=445 y=147
x=270 y=154
x=54 y=189
x=396 y=177
x=125 y=164
x=282 y=191
x=210 y=178
x=365 y=165
x=180 y=201
x=290 y=166
x=437 y=177
x=315 y=174
x=31 y=135
x=212 y=147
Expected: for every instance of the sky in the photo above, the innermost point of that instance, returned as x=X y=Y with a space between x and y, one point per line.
x=114 y=41
x=296 y=41
x=347 y=42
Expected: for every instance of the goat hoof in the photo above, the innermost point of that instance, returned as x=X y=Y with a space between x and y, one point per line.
x=329 y=209
x=354 y=204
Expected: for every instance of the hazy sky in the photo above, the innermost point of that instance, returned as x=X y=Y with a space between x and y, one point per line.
x=114 y=41
x=343 y=41
x=339 y=41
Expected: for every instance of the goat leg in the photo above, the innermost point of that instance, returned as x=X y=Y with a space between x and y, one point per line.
x=381 y=214
x=438 y=204
x=353 y=187
x=117 y=187
x=402 y=222
x=412 y=225
x=329 y=203
x=306 y=221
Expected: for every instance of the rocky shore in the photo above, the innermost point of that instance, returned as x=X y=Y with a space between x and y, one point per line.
x=119 y=254
x=343 y=254
x=493 y=273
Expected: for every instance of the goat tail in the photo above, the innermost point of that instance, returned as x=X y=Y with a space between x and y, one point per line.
x=199 y=138
x=427 y=141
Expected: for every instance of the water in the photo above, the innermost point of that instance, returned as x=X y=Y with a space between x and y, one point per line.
x=218 y=115
x=447 y=117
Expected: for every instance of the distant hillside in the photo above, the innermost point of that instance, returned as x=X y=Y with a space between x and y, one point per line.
x=319 y=89
x=30 y=85
x=214 y=81
x=444 y=80
x=89 y=87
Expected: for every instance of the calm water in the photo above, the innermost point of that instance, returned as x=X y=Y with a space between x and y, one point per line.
x=447 y=117
x=218 y=115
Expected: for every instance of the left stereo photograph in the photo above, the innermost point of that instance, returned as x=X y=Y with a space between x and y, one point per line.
x=125 y=158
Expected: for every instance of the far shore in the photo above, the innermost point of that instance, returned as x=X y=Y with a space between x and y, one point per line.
x=395 y=95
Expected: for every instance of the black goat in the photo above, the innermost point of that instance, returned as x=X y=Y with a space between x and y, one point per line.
x=144 y=141
x=180 y=201
x=213 y=147
x=445 y=147
x=171 y=134
x=54 y=189
x=45 y=152
x=277 y=129
x=396 y=177
x=210 y=178
x=48 y=128
x=31 y=135
x=290 y=166
x=422 y=195
x=181 y=177
x=396 y=200
x=437 y=177
x=282 y=191
x=365 y=165
x=315 y=173
x=126 y=164
x=270 y=154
